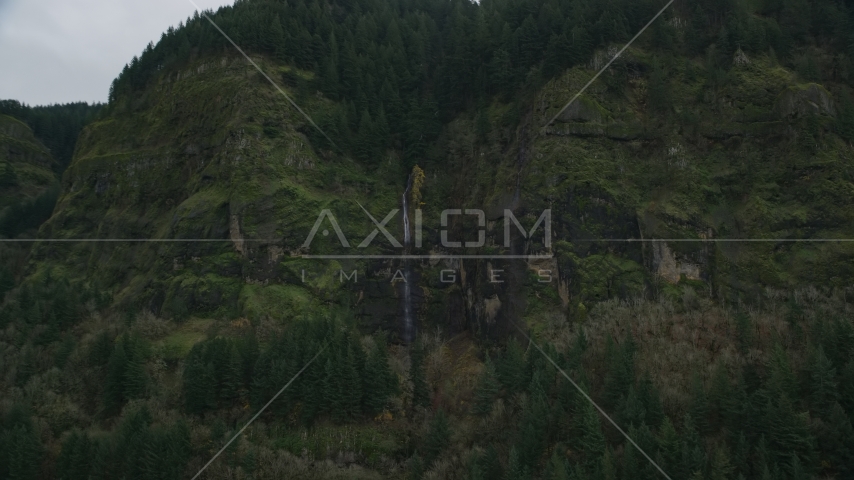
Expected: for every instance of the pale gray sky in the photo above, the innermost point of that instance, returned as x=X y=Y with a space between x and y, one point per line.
x=59 y=51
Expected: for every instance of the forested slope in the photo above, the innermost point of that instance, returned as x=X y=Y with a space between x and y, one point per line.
x=56 y=126
x=721 y=358
x=28 y=191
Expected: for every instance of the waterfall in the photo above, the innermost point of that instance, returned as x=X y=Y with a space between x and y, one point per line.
x=408 y=319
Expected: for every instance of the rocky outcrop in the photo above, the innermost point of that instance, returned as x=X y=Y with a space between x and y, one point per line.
x=740 y=58
x=667 y=266
x=583 y=109
x=803 y=100
x=614 y=131
x=235 y=236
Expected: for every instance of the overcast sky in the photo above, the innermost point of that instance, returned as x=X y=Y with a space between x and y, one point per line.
x=59 y=51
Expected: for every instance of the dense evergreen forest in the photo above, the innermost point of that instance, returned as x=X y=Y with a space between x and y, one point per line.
x=759 y=388
x=402 y=68
x=787 y=417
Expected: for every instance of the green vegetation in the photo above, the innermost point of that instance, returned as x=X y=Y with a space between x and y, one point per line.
x=56 y=126
x=773 y=396
x=725 y=120
x=28 y=186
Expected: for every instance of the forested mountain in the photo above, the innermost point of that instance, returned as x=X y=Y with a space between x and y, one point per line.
x=36 y=145
x=724 y=349
x=28 y=192
x=56 y=126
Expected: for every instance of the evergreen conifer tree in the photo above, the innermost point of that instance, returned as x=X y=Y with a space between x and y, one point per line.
x=482 y=125
x=845 y=118
x=788 y=430
x=782 y=379
x=693 y=456
x=378 y=381
x=114 y=384
x=823 y=383
x=330 y=78
x=24 y=453
x=232 y=377
x=582 y=44
x=249 y=352
x=836 y=441
x=134 y=379
x=101 y=349
x=631 y=409
x=699 y=404
x=515 y=469
x=81 y=457
x=796 y=469
x=420 y=390
x=438 y=436
x=651 y=401
x=558 y=55
x=590 y=439
x=741 y=455
x=8 y=178
x=415 y=467
x=846 y=387
x=556 y=468
x=511 y=369
x=63 y=462
x=352 y=385
x=535 y=426
x=475 y=471
x=7 y=280
x=199 y=383
x=276 y=41
x=720 y=466
x=487 y=389
x=669 y=443
x=365 y=141
x=333 y=398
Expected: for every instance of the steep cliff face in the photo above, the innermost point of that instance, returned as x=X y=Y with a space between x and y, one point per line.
x=210 y=159
x=745 y=183
x=214 y=157
x=728 y=165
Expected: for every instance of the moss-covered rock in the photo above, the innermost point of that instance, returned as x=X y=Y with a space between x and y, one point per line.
x=584 y=109
x=212 y=153
x=804 y=100
x=192 y=167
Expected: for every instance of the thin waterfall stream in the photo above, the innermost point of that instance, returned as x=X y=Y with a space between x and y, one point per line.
x=408 y=320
